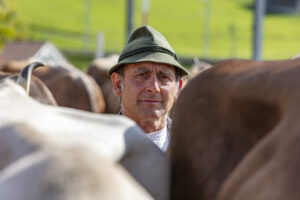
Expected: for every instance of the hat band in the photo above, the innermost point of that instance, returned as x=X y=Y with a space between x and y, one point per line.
x=147 y=49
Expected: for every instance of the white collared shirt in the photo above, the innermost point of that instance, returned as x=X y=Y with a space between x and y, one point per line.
x=160 y=138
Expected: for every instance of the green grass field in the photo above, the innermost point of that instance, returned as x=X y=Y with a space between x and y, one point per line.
x=62 y=22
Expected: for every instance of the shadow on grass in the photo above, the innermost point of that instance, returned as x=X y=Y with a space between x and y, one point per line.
x=57 y=32
x=283 y=9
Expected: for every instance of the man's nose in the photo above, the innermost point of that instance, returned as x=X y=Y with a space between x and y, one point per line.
x=153 y=85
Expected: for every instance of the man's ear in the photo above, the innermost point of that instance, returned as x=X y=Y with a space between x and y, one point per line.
x=179 y=87
x=117 y=84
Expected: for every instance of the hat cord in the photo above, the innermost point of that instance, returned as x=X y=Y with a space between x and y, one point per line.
x=147 y=49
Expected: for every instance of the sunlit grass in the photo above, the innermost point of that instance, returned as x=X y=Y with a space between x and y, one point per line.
x=62 y=22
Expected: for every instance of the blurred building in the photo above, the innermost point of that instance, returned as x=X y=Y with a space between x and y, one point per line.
x=32 y=51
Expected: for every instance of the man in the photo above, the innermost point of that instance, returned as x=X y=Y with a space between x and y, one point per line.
x=147 y=78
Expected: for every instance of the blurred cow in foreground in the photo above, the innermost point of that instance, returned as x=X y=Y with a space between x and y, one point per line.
x=98 y=70
x=69 y=86
x=38 y=169
x=49 y=152
x=236 y=133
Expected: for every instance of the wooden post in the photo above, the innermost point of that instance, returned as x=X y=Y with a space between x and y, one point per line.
x=145 y=11
x=130 y=18
x=259 y=13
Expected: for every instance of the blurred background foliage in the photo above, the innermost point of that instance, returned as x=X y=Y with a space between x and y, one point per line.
x=73 y=27
x=12 y=26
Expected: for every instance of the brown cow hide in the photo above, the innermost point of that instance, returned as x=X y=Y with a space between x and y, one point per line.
x=98 y=70
x=73 y=88
x=197 y=68
x=38 y=90
x=69 y=86
x=235 y=133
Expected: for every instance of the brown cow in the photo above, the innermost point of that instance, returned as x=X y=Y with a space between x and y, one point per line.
x=235 y=133
x=69 y=86
x=35 y=88
x=198 y=67
x=98 y=70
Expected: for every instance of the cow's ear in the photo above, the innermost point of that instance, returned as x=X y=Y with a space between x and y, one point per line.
x=117 y=83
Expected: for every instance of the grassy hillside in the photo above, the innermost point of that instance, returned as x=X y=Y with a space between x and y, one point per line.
x=62 y=22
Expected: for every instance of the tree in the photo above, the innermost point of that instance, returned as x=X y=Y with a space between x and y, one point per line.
x=11 y=25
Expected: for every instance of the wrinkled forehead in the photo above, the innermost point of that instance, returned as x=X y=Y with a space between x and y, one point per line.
x=149 y=67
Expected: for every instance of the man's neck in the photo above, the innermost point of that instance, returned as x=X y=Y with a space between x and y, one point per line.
x=152 y=124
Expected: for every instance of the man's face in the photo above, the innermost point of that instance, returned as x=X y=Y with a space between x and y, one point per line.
x=148 y=89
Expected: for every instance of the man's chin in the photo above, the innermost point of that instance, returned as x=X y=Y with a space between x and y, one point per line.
x=152 y=113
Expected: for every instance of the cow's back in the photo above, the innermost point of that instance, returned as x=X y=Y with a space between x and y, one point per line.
x=37 y=168
x=38 y=90
x=69 y=86
x=220 y=116
x=114 y=138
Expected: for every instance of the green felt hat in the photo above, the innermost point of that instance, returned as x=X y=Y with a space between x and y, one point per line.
x=146 y=44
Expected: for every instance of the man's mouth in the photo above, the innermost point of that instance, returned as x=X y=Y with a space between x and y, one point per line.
x=150 y=101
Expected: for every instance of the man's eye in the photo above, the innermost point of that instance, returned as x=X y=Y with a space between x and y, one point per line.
x=142 y=74
x=164 y=76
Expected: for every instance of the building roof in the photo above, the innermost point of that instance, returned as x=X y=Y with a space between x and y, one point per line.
x=31 y=51
x=19 y=51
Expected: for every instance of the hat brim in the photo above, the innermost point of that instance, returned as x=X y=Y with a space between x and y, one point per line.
x=157 y=57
